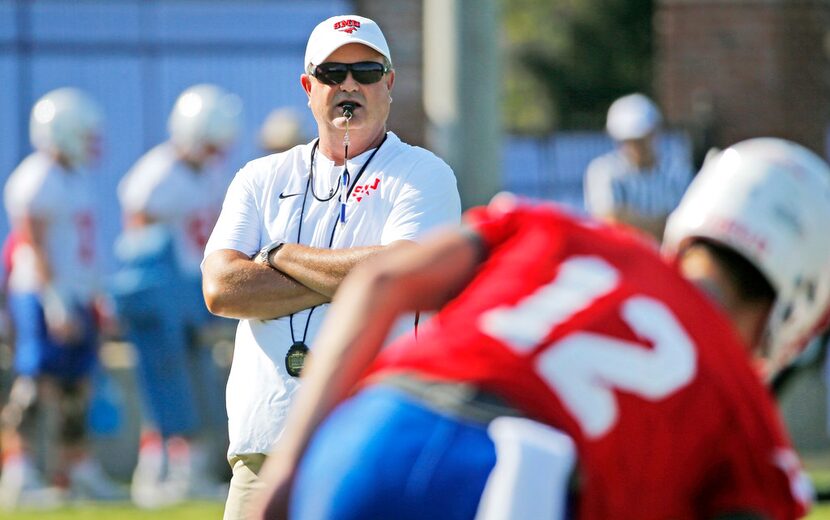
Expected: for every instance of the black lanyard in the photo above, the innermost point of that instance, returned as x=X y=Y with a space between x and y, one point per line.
x=309 y=187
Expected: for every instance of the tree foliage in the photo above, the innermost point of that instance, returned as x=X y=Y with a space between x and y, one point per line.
x=567 y=60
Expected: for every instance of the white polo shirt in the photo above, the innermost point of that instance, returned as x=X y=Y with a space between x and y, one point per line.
x=404 y=192
x=172 y=193
x=41 y=188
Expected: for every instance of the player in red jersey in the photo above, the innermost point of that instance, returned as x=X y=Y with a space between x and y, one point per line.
x=645 y=364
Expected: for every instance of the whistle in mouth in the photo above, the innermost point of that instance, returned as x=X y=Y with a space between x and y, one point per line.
x=348 y=110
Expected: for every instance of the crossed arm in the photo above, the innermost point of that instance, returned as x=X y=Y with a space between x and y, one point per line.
x=236 y=286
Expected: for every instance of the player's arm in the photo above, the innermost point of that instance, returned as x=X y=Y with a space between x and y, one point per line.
x=405 y=277
x=321 y=270
x=33 y=231
x=138 y=219
x=235 y=286
x=57 y=308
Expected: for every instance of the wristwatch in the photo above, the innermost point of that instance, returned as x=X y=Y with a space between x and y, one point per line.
x=264 y=254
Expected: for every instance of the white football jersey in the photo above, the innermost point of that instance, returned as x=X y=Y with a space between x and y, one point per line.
x=41 y=188
x=172 y=193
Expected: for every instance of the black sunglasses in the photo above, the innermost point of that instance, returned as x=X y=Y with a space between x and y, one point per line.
x=364 y=72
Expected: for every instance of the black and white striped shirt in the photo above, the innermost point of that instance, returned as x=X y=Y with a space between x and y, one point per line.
x=613 y=183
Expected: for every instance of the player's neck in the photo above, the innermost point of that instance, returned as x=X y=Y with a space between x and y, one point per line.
x=194 y=162
x=331 y=143
x=641 y=157
x=748 y=318
x=66 y=165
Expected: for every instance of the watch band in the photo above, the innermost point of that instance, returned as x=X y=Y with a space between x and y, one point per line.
x=264 y=254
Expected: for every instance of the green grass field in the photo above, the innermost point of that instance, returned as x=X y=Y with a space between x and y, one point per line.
x=125 y=511
x=213 y=510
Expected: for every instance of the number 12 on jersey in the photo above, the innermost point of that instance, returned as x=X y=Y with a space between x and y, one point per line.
x=584 y=368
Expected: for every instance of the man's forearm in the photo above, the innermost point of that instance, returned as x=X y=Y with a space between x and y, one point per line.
x=321 y=270
x=236 y=287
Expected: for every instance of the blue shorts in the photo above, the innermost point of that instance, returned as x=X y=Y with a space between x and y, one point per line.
x=383 y=455
x=35 y=353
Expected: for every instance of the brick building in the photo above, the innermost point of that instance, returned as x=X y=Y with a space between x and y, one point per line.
x=745 y=68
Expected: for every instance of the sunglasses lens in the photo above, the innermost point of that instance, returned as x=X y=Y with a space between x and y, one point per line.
x=365 y=72
x=331 y=73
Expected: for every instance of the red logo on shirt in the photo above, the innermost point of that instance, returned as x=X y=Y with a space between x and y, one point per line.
x=199 y=227
x=347 y=26
x=364 y=190
x=85 y=226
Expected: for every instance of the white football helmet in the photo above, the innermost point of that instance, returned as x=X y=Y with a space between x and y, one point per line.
x=282 y=130
x=204 y=116
x=769 y=200
x=66 y=122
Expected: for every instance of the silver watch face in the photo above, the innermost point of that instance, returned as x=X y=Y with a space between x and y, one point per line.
x=265 y=252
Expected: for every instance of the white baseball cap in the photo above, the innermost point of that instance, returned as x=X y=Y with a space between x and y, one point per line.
x=338 y=31
x=632 y=117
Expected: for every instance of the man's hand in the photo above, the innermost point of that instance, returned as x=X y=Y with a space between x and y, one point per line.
x=62 y=321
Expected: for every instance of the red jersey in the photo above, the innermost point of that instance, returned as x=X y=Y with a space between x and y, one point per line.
x=586 y=328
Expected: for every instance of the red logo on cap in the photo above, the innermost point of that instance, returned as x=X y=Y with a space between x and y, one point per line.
x=347 y=26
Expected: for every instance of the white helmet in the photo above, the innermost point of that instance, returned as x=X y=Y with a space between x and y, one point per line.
x=204 y=115
x=632 y=117
x=282 y=130
x=64 y=121
x=769 y=200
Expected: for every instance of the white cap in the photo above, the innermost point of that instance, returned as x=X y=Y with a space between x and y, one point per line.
x=338 y=31
x=632 y=117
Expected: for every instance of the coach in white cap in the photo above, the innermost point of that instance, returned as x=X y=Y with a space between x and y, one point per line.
x=295 y=223
x=633 y=184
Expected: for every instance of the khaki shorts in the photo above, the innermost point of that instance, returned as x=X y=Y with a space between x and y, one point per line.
x=244 y=485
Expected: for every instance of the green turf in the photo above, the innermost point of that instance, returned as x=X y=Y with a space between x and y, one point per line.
x=820 y=512
x=126 y=511
x=192 y=511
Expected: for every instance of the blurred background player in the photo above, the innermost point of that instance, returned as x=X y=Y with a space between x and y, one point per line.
x=53 y=281
x=282 y=130
x=634 y=184
x=583 y=328
x=170 y=200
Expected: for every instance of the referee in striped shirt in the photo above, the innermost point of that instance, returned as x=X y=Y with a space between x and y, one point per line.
x=631 y=184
